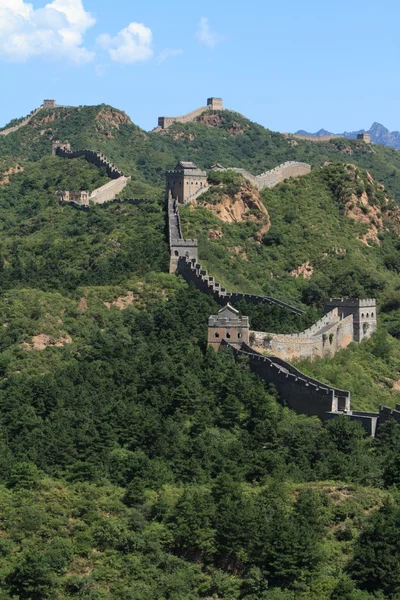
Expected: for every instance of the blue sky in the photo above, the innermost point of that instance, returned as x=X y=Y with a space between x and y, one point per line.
x=287 y=65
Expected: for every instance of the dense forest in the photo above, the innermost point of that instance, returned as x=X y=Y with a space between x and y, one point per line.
x=136 y=463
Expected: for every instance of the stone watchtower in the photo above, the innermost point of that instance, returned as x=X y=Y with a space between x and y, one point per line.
x=49 y=104
x=185 y=181
x=228 y=325
x=363 y=311
x=215 y=104
x=62 y=145
x=366 y=137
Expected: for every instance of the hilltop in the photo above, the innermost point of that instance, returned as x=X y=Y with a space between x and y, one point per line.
x=216 y=136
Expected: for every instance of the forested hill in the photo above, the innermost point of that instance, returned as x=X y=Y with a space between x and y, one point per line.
x=135 y=463
x=225 y=137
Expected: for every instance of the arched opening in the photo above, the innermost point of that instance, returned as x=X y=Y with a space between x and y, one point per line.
x=176 y=253
x=216 y=334
x=239 y=336
x=367 y=315
x=228 y=335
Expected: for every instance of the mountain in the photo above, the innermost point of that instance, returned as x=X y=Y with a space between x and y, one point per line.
x=379 y=135
x=136 y=463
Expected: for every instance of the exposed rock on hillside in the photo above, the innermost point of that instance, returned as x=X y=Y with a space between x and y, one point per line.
x=244 y=205
x=367 y=202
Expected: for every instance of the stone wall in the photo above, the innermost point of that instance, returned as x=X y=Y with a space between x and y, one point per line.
x=106 y=192
x=299 y=392
x=193 y=272
x=24 y=122
x=271 y=178
x=109 y=191
x=212 y=104
x=324 y=338
x=312 y=138
x=95 y=158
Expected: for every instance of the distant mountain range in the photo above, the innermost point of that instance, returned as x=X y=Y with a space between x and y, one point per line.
x=379 y=135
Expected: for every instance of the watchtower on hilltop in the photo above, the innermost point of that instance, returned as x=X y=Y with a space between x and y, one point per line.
x=228 y=325
x=49 y=104
x=365 y=137
x=363 y=311
x=185 y=181
x=215 y=104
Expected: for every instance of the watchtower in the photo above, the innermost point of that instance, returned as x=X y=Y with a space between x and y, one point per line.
x=366 y=137
x=60 y=145
x=228 y=325
x=185 y=181
x=363 y=311
x=215 y=103
x=49 y=104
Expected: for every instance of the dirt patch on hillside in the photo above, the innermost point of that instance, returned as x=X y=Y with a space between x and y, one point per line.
x=5 y=176
x=112 y=117
x=305 y=270
x=215 y=234
x=83 y=305
x=123 y=301
x=244 y=206
x=360 y=210
x=43 y=341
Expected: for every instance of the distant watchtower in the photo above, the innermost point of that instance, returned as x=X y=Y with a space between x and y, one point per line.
x=185 y=181
x=49 y=104
x=228 y=325
x=60 y=145
x=215 y=104
x=363 y=311
x=365 y=137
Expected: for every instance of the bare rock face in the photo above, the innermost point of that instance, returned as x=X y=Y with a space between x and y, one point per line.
x=245 y=205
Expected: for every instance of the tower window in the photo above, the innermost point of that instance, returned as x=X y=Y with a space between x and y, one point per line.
x=216 y=335
x=228 y=335
x=239 y=336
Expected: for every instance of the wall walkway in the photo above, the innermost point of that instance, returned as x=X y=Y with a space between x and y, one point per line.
x=271 y=178
x=22 y=124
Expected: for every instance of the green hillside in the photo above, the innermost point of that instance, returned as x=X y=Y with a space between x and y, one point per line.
x=228 y=138
x=135 y=463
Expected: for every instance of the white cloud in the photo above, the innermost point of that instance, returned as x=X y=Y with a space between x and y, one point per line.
x=53 y=32
x=206 y=35
x=132 y=44
x=167 y=53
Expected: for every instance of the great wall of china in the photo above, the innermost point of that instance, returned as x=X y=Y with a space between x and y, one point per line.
x=345 y=320
x=273 y=177
x=106 y=192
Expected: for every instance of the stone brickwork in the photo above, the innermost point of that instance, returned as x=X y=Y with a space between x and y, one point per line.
x=49 y=104
x=326 y=337
x=299 y=392
x=80 y=198
x=365 y=137
x=212 y=104
x=186 y=182
x=271 y=178
x=363 y=311
x=228 y=325
x=312 y=138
